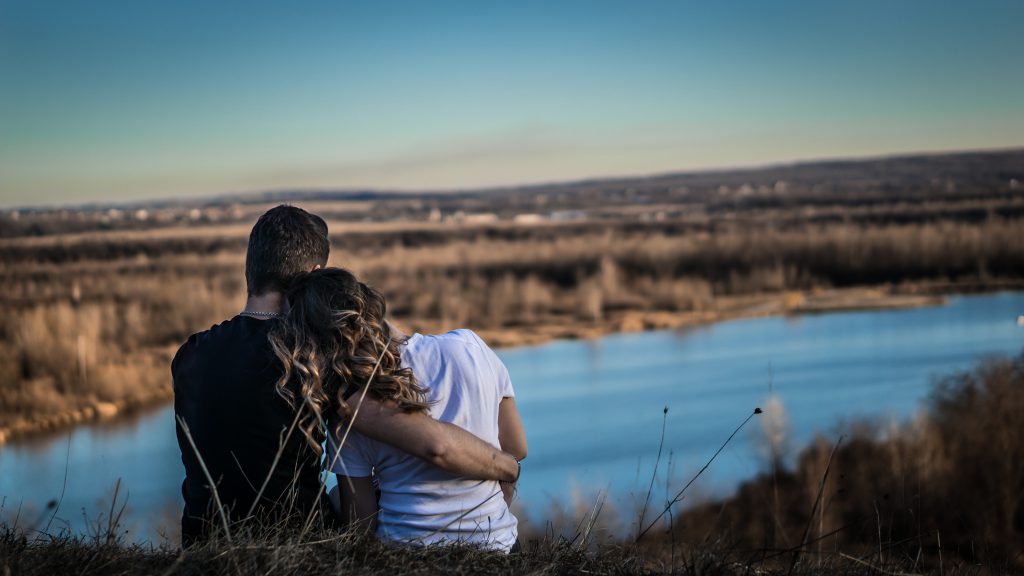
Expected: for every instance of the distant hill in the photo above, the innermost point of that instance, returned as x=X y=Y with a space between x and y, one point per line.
x=979 y=166
x=981 y=176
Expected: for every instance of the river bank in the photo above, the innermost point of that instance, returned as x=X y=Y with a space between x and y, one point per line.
x=724 y=308
x=96 y=412
x=735 y=308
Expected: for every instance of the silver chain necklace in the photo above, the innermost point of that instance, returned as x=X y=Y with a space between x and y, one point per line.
x=260 y=314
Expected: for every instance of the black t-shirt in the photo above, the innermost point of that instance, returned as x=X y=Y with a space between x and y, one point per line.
x=225 y=391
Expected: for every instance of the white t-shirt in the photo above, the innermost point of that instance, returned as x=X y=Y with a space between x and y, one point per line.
x=421 y=504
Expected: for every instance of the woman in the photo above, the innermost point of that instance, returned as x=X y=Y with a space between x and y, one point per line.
x=336 y=343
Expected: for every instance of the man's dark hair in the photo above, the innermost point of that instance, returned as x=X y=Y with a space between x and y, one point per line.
x=284 y=242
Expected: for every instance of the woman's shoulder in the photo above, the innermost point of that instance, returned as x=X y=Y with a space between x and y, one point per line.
x=459 y=346
x=459 y=337
x=466 y=335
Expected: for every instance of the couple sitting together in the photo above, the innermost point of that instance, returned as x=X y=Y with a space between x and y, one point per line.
x=422 y=431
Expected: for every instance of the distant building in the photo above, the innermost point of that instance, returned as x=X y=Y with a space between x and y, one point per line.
x=460 y=217
x=567 y=215
x=482 y=218
x=456 y=217
x=528 y=219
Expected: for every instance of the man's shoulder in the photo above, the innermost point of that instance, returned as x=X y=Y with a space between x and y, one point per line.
x=211 y=340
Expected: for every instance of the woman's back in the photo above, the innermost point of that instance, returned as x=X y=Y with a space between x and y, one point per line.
x=422 y=504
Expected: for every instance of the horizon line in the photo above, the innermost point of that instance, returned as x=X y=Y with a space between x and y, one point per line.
x=253 y=194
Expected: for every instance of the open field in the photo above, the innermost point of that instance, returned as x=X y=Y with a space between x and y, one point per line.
x=94 y=306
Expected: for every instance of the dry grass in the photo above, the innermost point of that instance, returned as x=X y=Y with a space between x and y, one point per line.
x=75 y=358
x=335 y=554
x=332 y=554
x=94 y=320
x=324 y=551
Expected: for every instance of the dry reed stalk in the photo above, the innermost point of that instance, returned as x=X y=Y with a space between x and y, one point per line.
x=213 y=486
x=595 y=512
x=63 y=488
x=273 y=466
x=654 y=473
x=679 y=495
x=814 y=508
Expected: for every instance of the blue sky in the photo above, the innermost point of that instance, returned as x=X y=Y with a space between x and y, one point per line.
x=127 y=99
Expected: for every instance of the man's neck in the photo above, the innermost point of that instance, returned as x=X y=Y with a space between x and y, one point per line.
x=269 y=303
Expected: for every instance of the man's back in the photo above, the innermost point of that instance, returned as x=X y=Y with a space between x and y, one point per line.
x=225 y=392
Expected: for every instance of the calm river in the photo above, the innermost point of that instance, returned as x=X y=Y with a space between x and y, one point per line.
x=593 y=409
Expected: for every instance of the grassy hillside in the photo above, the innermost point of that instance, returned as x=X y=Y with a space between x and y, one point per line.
x=943 y=494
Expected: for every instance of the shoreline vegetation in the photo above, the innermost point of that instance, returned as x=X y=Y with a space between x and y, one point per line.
x=755 y=306
x=97 y=299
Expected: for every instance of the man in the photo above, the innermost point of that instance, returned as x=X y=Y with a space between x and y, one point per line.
x=243 y=457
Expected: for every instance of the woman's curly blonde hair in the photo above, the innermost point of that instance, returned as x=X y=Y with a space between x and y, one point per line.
x=334 y=342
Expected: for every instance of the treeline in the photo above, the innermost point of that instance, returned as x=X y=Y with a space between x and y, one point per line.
x=495 y=283
x=805 y=254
